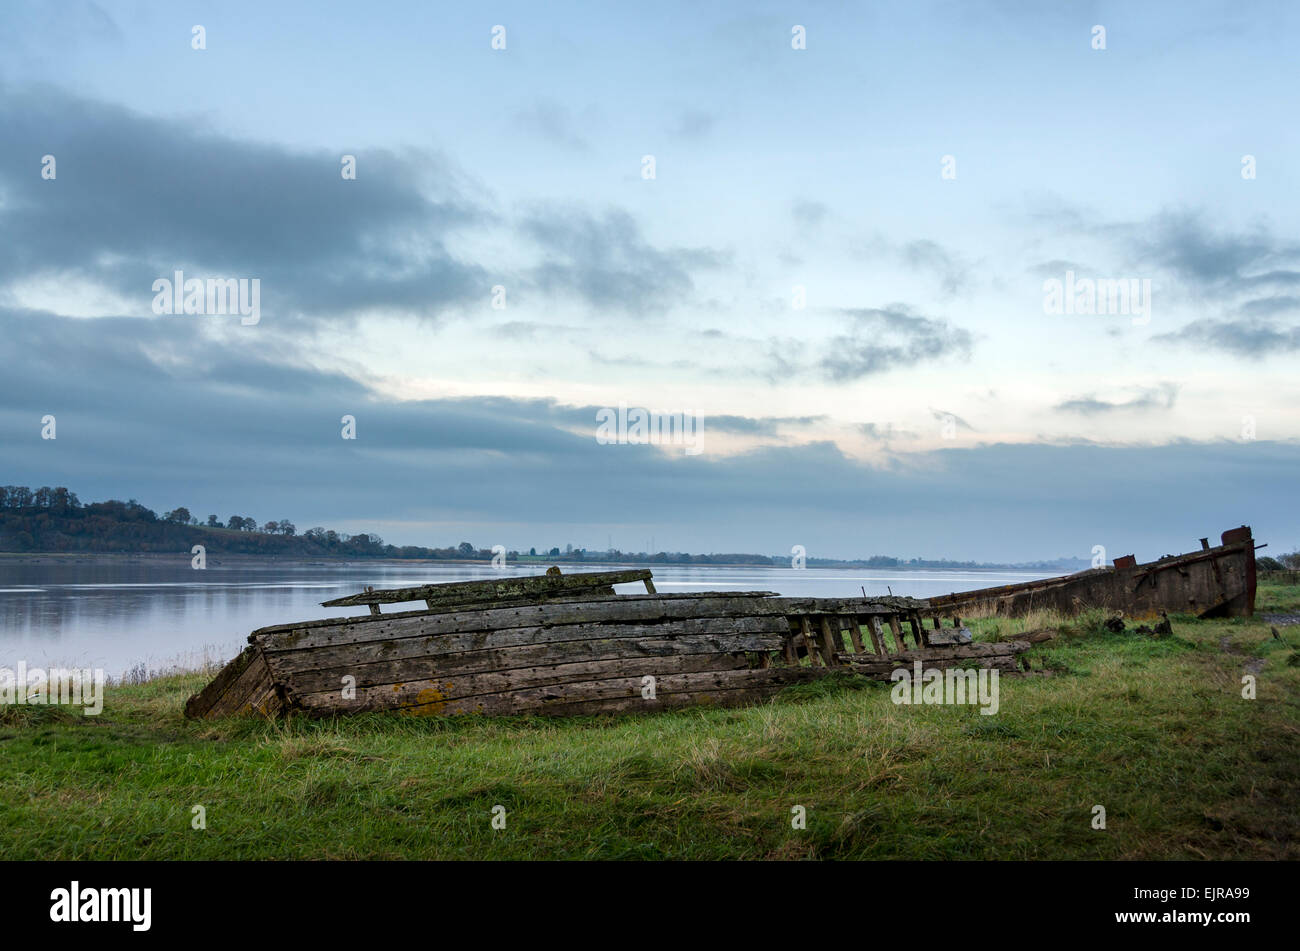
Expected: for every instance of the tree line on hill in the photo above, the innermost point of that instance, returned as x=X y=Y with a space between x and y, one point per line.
x=55 y=520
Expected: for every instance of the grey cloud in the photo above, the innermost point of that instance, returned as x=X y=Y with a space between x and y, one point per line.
x=693 y=124
x=1271 y=306
x=536 y=330
x=1056 y=268
x=521 y=329
x=953 y=274
x=137 y=197
x=885 y=433
x=553 y=122
x=1152 y=398
x=630 y=360
x=887 y=338
x=1250 y=274
x=1246 y=266
x=784 y=358
x=606 y=261
x=925 y=256
x=49 y=29
x=1184 y=244
x=760 y=425
x=942 y=415
x=134 y=423
x=1245 y=338
x=1210 y=261
x=809 y=214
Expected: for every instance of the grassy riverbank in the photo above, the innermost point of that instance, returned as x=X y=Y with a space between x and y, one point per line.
x=1156 y=731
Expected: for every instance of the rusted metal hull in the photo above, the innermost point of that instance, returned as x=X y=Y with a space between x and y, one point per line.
x=576 y=654
x=1212 y=582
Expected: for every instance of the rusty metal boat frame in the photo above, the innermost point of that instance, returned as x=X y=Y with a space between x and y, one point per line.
x=569 y=644
x=1216 y=581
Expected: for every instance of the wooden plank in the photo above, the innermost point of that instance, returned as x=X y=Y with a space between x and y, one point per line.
x=267 y=703
x=810 y=642
x=882 y=670
x=629 y=610
x=878 y=635
x=829 y=637
x=876 y=604
x=918 y=630
x=896 y=629
x=855 y=633
x=798 y=641
x=538 y=699
x=198 y=705
x=462 y=607
x=841 y=626
x=770 y=604
x=441 y=688
x=461 y=643
x=788 y=649
x=726 y=695
x=252 y=682
x=663 y=702
x=693 y=635
x=956 y=652
x=720 y=679
x=948 y=636
x=662 y=650
x=529 y=585
x=877 y=642
x=457 y=602
x=617 y=706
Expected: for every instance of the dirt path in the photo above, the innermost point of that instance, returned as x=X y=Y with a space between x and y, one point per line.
x=1280 y=620
x=1253 y=665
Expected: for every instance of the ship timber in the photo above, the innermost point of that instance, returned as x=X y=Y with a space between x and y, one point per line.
x=559 y=645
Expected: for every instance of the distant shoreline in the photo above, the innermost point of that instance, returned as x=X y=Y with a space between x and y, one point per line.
x=30 y=558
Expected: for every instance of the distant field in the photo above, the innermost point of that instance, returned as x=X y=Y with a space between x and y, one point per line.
x=1156 y=731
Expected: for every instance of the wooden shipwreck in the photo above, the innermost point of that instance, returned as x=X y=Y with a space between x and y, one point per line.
x=568 y=644
x=1216 y=581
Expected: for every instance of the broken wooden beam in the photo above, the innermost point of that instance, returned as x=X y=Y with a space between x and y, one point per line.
x=494 y=589
x=1001 y=656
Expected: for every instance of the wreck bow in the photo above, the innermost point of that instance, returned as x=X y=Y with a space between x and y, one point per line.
x=568 y=644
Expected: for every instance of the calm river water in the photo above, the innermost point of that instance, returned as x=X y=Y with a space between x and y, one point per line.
x=123 y=615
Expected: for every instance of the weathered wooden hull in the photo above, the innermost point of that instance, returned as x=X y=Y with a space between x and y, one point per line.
x=562 y=657
x=1212 y=582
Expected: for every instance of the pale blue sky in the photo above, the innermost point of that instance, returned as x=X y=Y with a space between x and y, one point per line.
x=775 y=168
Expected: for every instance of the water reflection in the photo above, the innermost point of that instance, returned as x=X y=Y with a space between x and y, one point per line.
x=120 y=615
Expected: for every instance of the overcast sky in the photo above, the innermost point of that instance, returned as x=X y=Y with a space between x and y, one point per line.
x=839 y=262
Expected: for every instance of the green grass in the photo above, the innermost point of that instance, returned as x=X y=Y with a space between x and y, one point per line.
x=1153 y=729
x=1277 y=599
